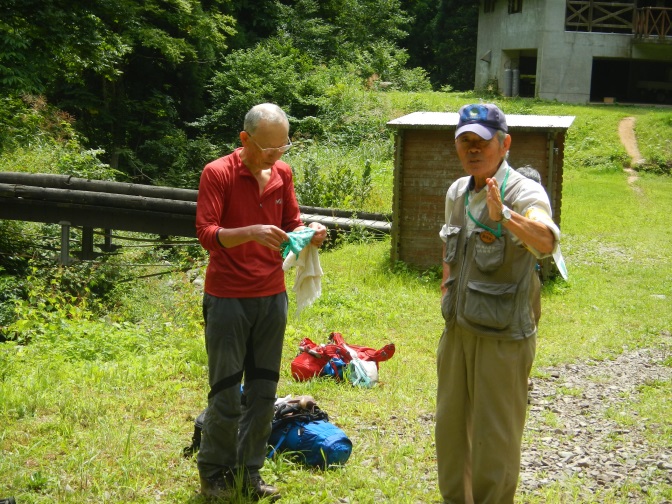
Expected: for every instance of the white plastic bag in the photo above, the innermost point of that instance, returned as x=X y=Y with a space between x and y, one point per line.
x=362 y=373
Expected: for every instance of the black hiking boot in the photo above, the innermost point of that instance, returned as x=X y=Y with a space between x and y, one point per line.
x=221 y=485
x=259 y=489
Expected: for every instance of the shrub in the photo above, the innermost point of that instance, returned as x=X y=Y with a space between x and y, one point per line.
x=36 y=137
x=174 y=160
x=339 y=186
x=272 y=71
x=385 y=63
x=29 y=119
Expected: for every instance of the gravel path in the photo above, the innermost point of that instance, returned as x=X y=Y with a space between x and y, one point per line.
x=573 y=408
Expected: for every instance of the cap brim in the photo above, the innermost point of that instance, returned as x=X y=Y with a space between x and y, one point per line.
x=483 y=131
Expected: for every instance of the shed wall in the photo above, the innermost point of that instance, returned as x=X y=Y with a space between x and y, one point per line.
x=427 y=164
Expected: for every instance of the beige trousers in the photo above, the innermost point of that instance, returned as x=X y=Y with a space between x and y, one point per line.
x=480 y=415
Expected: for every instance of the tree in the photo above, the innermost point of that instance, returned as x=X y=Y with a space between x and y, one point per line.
x=455 y=36
x=130 y=72
x=47 y=39
x=442 y=40
x=335 y=30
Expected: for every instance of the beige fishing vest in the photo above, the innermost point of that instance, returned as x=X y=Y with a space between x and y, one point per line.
x=492 y=284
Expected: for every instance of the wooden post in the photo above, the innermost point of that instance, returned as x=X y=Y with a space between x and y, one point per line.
x=108 y=240
x=87 y=243
x=64 y=259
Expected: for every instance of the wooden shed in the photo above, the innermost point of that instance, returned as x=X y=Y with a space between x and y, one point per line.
x=426 y=163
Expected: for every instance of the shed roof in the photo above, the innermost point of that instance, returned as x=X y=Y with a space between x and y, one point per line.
x=448 y=121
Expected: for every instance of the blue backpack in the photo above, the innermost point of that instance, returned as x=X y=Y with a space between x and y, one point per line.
x=301 y=428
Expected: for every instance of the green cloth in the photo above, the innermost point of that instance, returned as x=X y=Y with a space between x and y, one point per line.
x=297 y=241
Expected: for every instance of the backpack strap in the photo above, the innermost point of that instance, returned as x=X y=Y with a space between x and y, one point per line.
x=281 y=440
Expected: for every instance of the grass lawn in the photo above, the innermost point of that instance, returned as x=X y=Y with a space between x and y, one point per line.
x=98 y=406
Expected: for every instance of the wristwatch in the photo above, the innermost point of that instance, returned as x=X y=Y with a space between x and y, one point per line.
x=506 y=214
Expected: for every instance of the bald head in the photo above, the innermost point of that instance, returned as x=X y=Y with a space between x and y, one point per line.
x=267 y=112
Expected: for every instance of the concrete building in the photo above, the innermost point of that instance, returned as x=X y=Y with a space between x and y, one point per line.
x=576 y=51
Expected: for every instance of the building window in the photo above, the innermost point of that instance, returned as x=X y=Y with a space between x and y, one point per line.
x=489 y=6
x=515 y=6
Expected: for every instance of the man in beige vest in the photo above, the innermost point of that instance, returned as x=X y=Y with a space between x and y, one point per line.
x=497 y=224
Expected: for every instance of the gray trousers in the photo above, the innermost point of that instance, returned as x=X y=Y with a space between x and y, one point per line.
x=243 y=339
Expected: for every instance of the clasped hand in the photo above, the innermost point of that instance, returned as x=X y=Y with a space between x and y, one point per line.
x=494 y=200
x=320 y=234
x=272 y=236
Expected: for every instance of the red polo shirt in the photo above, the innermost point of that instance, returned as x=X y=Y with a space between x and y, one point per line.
x=228 y=197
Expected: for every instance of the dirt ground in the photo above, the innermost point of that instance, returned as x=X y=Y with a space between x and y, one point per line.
x=573 y=412
x=626 y=130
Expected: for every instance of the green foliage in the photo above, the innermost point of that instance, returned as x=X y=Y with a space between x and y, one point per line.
x=491 y=90
x=50 y=295
x=597 y=145
x=108 y=394
x=333 y=31
x=173 y=160
x=27 y=120
x=36 y=293
x=442 y=40
x=37 y=137
x=130 y=72
x=315 y=69
x=385 y=66
x=11 y=291
x=14 y=243
x=340 y=187
x=142 y=76
x=42 y=43
x=358 y=178
x=273 y=71
x=323 y=102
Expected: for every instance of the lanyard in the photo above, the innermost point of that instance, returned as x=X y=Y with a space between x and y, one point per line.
x=497 y=232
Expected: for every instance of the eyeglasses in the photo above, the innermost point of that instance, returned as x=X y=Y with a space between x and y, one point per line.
x=271 y=150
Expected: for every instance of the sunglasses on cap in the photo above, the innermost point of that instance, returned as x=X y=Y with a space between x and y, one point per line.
x=478 y=113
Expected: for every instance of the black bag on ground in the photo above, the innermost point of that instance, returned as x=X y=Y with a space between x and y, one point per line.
x=196 y=436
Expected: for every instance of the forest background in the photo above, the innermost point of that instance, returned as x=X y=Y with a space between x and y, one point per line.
x=156 y=88
x=102 y=363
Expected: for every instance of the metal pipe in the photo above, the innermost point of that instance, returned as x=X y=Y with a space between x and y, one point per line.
x=98 y=198
x=68 y=182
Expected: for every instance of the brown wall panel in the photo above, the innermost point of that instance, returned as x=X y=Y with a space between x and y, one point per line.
x=427 y=165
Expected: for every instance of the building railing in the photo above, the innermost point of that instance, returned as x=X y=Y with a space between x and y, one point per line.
x=653 y=22
x=594 y=16
x=646 y=23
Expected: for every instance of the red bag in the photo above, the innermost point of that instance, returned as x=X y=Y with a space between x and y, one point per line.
x=366 y=353
x=313 y=357
x=305 y=366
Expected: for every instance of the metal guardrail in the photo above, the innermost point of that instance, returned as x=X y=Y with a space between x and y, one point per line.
x=165 y=211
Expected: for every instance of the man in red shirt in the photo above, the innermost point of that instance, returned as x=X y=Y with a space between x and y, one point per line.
x=246 y=206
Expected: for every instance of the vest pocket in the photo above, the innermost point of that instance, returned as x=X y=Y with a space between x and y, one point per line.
x=490 y=304
x=489 y=252
x=448 y=301
x=452 y=235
